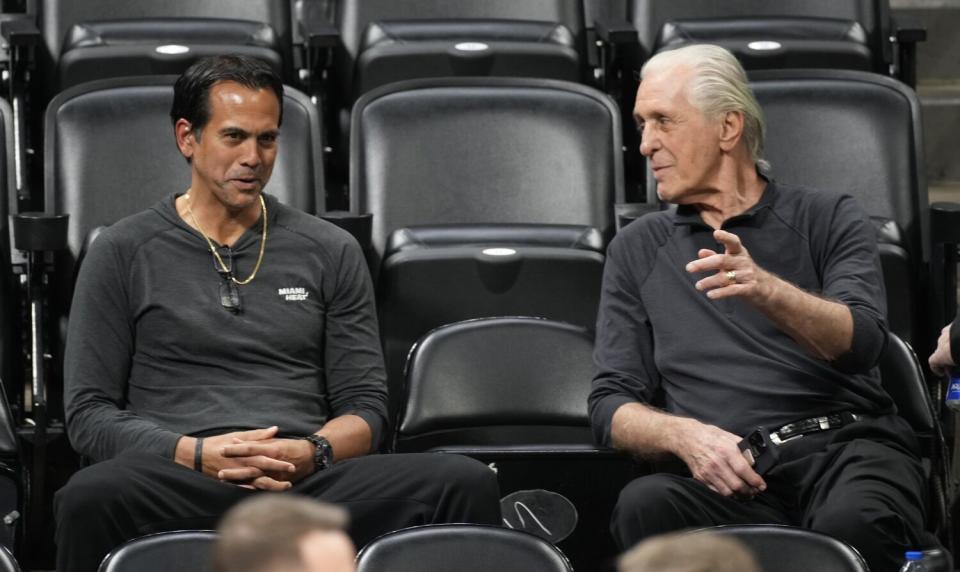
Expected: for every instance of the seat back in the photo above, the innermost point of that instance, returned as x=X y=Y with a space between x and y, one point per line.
x=462 y=547
x=57 y=17
x=155 y=46
x=7 y=562
x=9 y=298
x=181 y=550
x=649 y=17
x=433 y=276
x=902 y=378
x=493 y=150
x=499 y=384
x=791 y=549
x=110 y=152
x=353 y=17
x=857 y=133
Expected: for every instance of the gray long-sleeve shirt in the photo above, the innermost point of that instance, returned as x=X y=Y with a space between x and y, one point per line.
x=153 y=355
x=660 y=340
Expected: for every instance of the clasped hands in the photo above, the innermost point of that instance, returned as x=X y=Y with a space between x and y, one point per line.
x=736 y=274
x=257 y=459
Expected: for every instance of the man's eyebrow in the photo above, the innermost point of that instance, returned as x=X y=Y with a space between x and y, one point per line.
x=233 y=130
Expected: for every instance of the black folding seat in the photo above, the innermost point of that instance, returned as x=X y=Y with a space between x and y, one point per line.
x=847 y=34
x=386 y=41
x=110 y=152
x=513 y=391
x=11 y=367
x=792 y=549
x=447 y=169
x=93 y=40
x=182 y=550
x=463 y=547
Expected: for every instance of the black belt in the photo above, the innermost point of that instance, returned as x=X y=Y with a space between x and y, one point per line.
x=814 y=425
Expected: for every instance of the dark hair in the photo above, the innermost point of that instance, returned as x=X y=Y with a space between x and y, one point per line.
x=191 y=93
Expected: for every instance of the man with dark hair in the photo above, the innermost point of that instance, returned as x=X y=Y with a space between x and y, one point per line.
x=221 y=343
x=283 y=533
x=754 y=310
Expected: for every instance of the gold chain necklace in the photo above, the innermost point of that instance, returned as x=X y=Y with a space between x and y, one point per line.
x=213 y=249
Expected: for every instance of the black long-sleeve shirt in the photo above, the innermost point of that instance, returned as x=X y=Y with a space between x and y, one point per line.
x=153 y=355
x=660 y=341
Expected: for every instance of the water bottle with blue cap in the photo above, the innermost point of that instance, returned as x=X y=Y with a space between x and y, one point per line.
x=914 y=562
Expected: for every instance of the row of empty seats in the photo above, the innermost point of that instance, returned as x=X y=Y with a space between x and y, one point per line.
x=337 y=50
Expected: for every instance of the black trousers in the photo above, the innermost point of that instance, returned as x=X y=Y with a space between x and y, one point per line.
x=862 y=483
x=135 y=494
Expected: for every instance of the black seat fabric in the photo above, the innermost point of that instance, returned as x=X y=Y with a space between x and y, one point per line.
x=110 y=152
x=461 y=547
x=182 y=550
x=11 y=372
x=851 y=34
x=774 y=43
x=902 y=377
x=499 y=162
x=499 y=386
x=156 y=46
x=433 y=276
x=354 y=16
x=57 y=18
x=465 y=151
x=7 y=562
x=407 y=49
x=857 y=133
x=790 y=549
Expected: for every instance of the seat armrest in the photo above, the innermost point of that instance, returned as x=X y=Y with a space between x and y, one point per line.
x=318 y=33
x=945 y=223
x=616 y=32
x=911 y=34
x=358 y=225
x=20 y=31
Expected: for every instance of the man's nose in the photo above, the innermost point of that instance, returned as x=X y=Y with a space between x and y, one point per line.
x=252 y=156
x=648 y=142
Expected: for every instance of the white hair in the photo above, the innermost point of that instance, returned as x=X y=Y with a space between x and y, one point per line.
x=719 y=85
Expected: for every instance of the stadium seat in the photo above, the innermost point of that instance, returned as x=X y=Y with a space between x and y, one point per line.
x=93 y=40
x=181 y=550
x=847 y=34
x=531 y=165
x=11 y=367
x=461 y=547
x=790 y=549
x=497 y=388
x=7 y=562
x=513 y=391
x=107 y=157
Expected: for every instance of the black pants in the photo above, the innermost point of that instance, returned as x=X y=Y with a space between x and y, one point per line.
x=135 y=494
x=862 y=483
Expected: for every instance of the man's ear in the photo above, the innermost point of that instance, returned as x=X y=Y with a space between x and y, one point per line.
x=731 y=129
x=186 y=138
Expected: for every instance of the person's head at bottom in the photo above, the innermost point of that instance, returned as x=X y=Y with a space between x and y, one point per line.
x=679 y=552
x=283 y=533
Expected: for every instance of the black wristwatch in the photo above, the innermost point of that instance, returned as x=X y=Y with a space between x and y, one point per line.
x=322 y=453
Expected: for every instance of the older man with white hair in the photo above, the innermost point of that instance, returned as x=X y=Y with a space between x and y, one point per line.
x=740 y=333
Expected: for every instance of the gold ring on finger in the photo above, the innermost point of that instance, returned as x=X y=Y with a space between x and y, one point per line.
x=731 y=276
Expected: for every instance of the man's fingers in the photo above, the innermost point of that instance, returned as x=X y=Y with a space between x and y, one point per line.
x=705 y=252
x=711 y=262
x=239 y=474
x=264 y=463
x=268 y=484
x=257 y=434
x=251 y=449
x=729 y=240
